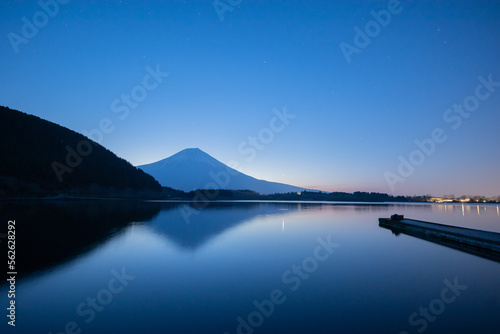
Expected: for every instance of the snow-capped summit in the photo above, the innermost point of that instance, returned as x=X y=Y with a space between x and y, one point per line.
x=191 y=155
x=192 y=169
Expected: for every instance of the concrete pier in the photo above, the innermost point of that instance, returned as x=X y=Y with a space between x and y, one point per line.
x=481 y=243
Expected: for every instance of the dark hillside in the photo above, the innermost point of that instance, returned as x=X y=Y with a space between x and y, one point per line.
x=38 y=157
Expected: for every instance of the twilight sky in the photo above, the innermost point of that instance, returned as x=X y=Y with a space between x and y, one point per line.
x=398 y=97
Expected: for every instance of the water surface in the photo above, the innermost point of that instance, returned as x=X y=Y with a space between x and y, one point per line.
x=131 y=267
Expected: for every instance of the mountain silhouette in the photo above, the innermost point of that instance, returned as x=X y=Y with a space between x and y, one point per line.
x=41 y=158
x=192 y=169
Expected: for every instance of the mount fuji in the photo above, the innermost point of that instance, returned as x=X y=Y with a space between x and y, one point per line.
x=192 y=169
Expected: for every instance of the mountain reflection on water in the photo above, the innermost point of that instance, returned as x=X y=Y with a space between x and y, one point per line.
x=198 y=269
x=50 y=233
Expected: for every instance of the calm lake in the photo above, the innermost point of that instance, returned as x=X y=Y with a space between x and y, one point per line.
x=246 y=267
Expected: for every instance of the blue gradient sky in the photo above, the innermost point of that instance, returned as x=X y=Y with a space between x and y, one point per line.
x=353 y=120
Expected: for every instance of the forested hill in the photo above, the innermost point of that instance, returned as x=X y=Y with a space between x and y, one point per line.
x=38 y=157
